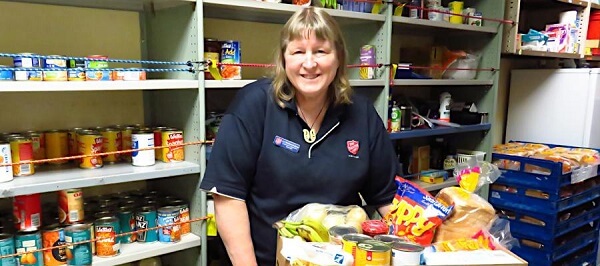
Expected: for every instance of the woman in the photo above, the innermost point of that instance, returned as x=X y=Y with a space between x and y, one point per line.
x=302 y=137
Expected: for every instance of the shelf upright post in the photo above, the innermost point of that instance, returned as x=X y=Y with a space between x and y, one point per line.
x=512 y=12
x=203 y=260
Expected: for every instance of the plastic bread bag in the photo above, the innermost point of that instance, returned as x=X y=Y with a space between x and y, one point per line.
x=473 y=174
x=497 y=236
x=300 y=253
x=414 y=213
x=330 y=215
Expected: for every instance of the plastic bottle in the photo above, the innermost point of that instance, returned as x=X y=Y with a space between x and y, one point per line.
x=445 y=99
x=449 y=162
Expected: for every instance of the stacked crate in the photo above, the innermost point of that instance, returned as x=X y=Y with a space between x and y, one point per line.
x=554 y=215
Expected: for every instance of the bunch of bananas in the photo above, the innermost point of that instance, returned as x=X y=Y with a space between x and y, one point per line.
x=309 y=230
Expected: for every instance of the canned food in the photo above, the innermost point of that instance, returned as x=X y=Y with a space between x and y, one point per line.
x=406 y=254
x=90 y=223
x=231 y=54
x=168 y=216
x=21 y=152
x=158 y=141
x=184 y=216
x=70 y=206
x=54 y=236
x=146 y=218
x=350 y=241
x=389 y=239
x=337 y=232
x=55 y=75
x=142 y=139
x=468 y=12
x=90 y=143
x=6 y=172
x=373 y=253
x=29 y=241
x=27 y=210
x=7 y=247
x=106 y=229
x=127 y=220
x=96 y=73
x=126 y=141
x=38 y=144
x=171 y=137
x=80 y=254
x=111 y=142
x=129 y=75
x=28 y=60
x=57 y=145
x=74 y=74
x=6 y=74
x=72 y=141
x=97 y=61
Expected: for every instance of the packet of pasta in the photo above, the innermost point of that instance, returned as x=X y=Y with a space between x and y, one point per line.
x=415 y=213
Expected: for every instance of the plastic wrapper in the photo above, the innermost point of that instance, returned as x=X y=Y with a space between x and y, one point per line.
x=494 y=236
x=473 y=174
x=374 y=227
x=300 y=253
x=331 y=215
x=415 y=214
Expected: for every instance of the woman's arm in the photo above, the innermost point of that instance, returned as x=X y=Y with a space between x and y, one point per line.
x=383 y=210
x=233 y=225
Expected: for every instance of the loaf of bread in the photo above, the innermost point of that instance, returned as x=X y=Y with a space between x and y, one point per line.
x=471 y=214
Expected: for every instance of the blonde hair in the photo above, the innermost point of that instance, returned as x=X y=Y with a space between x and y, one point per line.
x=325 y=28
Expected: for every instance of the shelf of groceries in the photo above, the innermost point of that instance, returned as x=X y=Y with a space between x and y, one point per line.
x=439 y=130
x=37 y=86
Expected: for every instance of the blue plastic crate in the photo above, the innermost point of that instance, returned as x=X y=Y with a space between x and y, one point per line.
x=552 y=226
x=531 y=201
x=578 y=258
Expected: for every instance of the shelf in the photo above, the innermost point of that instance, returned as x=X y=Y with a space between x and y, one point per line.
x=49 y=86
x=50 y=178
x=404 y=24
x=129 y=5
x=431 y=187
x=416 y=133
x=593 y=58
x=542 y=4
x=236 y=84
x=574 y=2
x=257 y=11
x=139 y=251
x=442 y=82
x=548 y=54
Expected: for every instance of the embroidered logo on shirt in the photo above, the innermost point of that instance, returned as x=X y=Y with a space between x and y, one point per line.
x=352 y=146
x=286 y=144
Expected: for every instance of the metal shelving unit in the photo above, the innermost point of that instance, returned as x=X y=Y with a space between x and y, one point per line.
x=438 y=131
x=442 y=82
x=432 y=187
x=428 y=26
x=38 y=86
x=236 y=84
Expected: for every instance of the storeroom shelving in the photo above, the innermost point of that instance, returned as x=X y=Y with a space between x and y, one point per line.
x=438 y=131
x=442 y=82
x=428 y=26
x=36 y=86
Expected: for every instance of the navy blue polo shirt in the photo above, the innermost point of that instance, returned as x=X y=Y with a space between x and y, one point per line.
x=260 y=156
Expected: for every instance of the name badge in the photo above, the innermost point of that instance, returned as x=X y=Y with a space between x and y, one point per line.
x=286 y=144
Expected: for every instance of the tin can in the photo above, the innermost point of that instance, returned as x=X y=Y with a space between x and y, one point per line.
x=90 y=224
x=171 y=137
x=127 y=220
x=6 y=74
x=25 y=60
x=456 y=7
x=55 y=75
x=129 y=75
x=434 y=13
x=367 y=57
x=26 y=242
x=90 y=143
x=38 y=144
x=72 y=141
x=184 y=216
x=350 y=241
x=389 y=239
x=337 y=232
x=106 y=229
x=231 y=54
x=73 y=73
x=146 y=218
x=476 y=20
x=404 y=253
x=80 y=254
x=469 y=11
x=57 y=145
x=53 y=236
x=142 y=139
x=7 y=247
x=21 y=151
x=126 y=142
x=373 y=253
x=158 y=141
x=111 y=142
x=6 y=172
x=97 y=72
x=413 y=11
x=70 y=206
x=169 y=216
x=27 y=211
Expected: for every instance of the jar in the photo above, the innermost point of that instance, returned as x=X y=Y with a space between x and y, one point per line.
x=212 y=51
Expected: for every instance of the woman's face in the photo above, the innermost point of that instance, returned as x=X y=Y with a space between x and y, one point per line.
x=310 y=65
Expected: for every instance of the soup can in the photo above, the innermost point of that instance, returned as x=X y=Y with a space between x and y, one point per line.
x=184 y=216
x=73 y=143
x=146 y=218
x=90 y=143
x=127 y=220
x=126 y=143
x=79 y=254
x=57 y=145
x=231 y=53
x=350 y=241
x=404 y=253
x=29 y=241
x=70 y=206
x=38 y=144
x=142 y=139
x=6 y=172
x=22 y=152
x=373 y=253
x=337 y=232
x=107 y=243
x=158 y=141
x=111 y=142
x=54 y=236
x=389 y=239
x=171 y=137
x=27 y=211
x=168 y=217
x=7 y=247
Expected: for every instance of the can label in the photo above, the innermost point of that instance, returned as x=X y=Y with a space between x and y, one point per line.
x=27 y=211
x=367 y=57
x=111 y=142
x=98 y=75
x=6 y=172
x=89 y=145
x=127 y=220
x=173 y=153
x=146 y=157
x=158 y=141
x=131 y=75
x=28 y=62
x=27 y=243
x=184 y=217
x=22 y=151
x=38 y=144
x=231 y=54
x=74 y=74
x=7 y=247
x=70 y=206
x=6 y=74
x=57 y=146
x=373 y=254
x=126 y=143
x=395 y=117
x=57 y=256
x=55 y=75
x=107 y=244
x=145 y=220
x=73 y=142
x=79 y=254
x=169 y=216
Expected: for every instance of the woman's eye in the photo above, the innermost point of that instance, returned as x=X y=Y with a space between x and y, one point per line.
x=297 y=52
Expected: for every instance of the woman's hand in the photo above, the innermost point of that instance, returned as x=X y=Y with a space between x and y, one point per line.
x=233 y=225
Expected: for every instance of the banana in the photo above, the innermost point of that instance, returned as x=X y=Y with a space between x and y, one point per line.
x=309 y=234
x=317 y=227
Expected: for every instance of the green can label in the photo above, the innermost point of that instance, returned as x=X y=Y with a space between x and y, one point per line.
x=7 y=247
x=80 y=254
x=29 y=242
